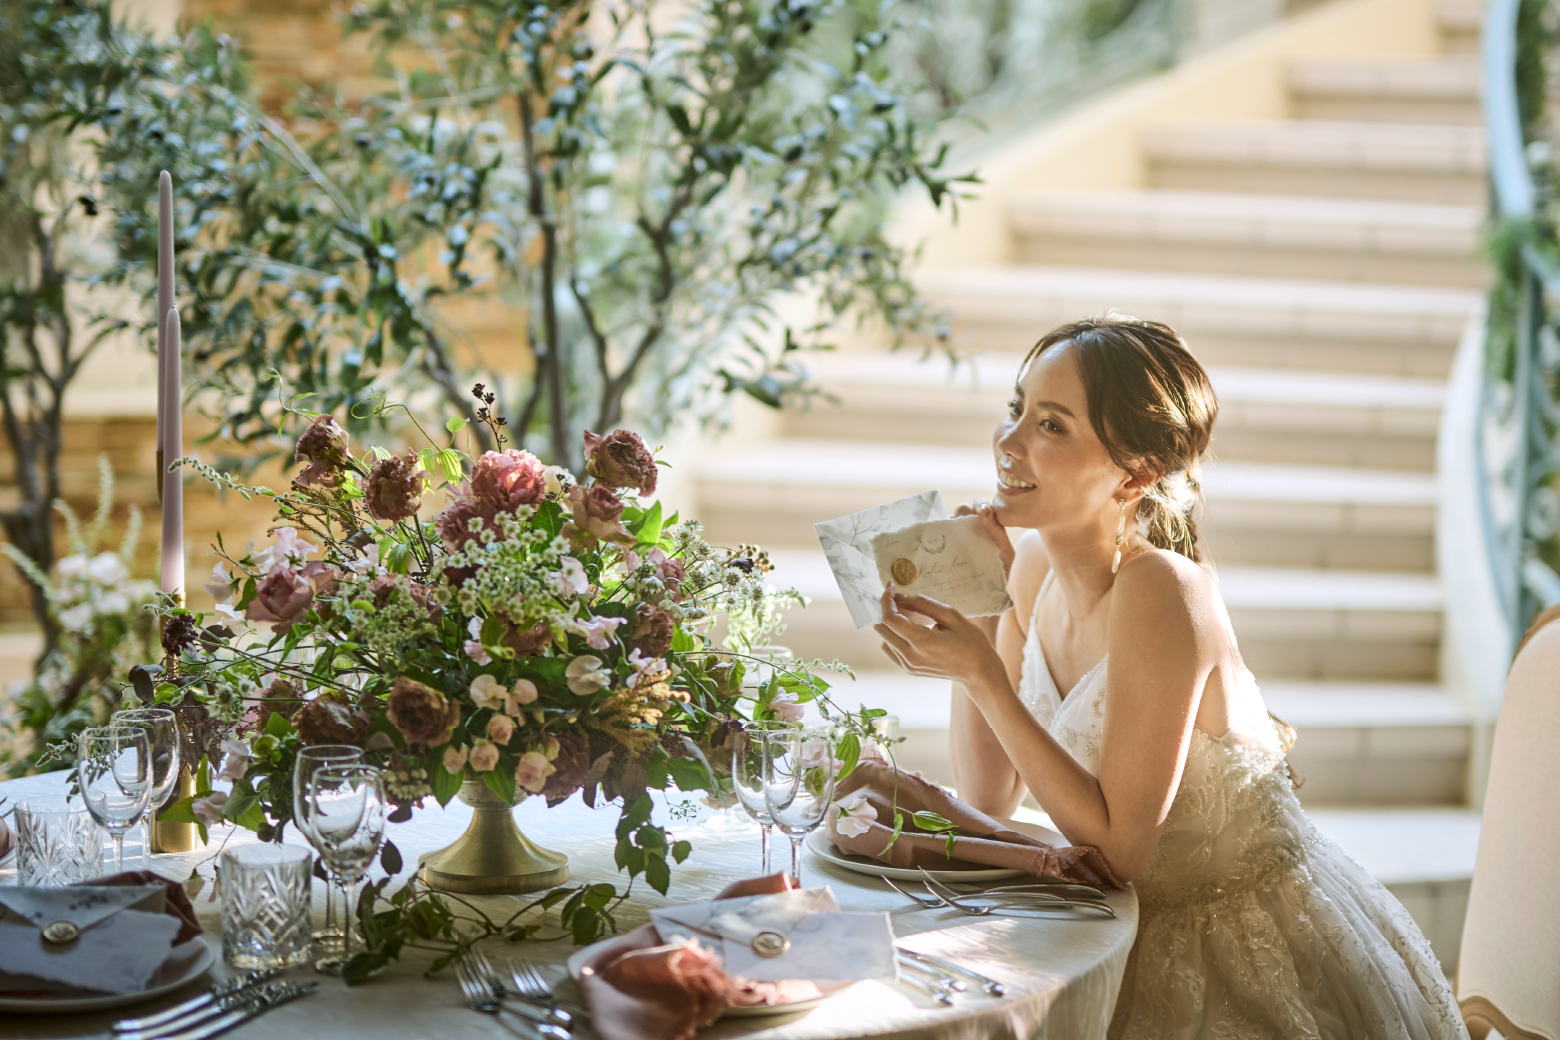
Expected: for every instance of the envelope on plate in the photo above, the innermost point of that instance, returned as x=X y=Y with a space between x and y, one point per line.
x=801 y=934
x=117 y=936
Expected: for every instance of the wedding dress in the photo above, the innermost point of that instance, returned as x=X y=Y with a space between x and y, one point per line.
x=1252 y=924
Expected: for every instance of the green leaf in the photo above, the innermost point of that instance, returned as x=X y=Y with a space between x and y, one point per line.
x=681 y=849
x=849 y=753
x=449 y=464
x=899 y=828
x=658 y=873
x=390 y=858
x=501 y=782
x=930 y=821
x=181 y=811
x=278 y=725
x=456 y=424
x=649 y=531
x=444 y=783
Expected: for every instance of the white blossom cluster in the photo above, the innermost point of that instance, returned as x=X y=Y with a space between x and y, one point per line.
x=518 y=573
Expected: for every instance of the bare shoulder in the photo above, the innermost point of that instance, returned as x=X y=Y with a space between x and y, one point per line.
x=1030 y=566
x=1166 y=588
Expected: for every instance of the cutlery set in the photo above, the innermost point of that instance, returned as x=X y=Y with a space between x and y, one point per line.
x=1031 y=897
x=525 y=996
x=217 y=1010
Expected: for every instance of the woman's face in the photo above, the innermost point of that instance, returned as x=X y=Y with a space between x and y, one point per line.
x=1052 y=469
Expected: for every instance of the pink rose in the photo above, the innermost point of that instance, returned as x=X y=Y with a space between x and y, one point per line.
x=670 y=571
x=484 y=756
x=532 y=771
x=596 y=513
x=454 y=526
x=597 y=631
x=282 y=598
x=500 y=728
x=208 y=810
x=786 y=707
x=620 y=460
x=394 y=487
x=324 y=447
x=507 y=480
x=455 y=758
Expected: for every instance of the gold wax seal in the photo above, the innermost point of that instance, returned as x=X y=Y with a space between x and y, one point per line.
x=61 y=932
x=770 y=944
x=903 y=571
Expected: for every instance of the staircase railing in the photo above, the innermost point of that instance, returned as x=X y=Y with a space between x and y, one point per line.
x=1517 y=453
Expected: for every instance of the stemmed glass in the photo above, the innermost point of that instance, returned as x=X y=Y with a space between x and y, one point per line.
x=799 y=773
x=346 y=821
x=747 y=775
x=308 y=761
x=114 y=768
x=162 y=732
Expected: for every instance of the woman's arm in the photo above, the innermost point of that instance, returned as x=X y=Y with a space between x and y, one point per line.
x=1160 y=660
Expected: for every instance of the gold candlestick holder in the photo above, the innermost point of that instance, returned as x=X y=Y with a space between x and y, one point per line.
x=171 y=835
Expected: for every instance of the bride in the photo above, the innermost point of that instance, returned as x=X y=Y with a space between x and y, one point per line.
x=1160 y=752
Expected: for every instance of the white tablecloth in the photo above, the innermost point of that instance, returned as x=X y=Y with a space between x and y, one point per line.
x=1062 y=975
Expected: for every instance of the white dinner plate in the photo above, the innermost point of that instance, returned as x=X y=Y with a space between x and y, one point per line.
x=186 y=962
x=819 y=845
x=580 y=956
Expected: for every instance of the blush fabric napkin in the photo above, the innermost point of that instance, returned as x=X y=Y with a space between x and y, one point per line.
x=981 y=841
x=642 y=987
x=7 y=839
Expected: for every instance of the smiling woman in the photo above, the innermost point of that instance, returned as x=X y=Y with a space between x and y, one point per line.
x=1114 y=691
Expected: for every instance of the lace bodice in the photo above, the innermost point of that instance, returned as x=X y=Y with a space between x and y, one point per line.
x=1253 y=924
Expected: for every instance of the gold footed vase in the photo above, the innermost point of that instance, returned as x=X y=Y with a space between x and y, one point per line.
x=492 y=857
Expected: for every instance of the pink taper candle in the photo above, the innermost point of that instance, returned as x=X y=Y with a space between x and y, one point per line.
x=173 y=483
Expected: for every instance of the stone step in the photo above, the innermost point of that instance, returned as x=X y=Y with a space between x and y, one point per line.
x=1296 y=516
x=1293 y=623
x=1395 y=161
x=1461 y=22
x=1250 y=322
x=1265 y=415
x=1270 y=236
x=1442 y=91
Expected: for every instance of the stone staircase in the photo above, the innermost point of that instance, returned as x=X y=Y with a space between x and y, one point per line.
x=1323 y=266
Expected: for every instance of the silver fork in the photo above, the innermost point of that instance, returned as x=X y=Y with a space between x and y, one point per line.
x=951 y=897
x=922 y=901
x=528 y=982
x=541 y=1011
x=482 y=998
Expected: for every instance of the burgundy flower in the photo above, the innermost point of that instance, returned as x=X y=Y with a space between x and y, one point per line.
x=652 y=631
x=179 y=634
x=596 y=516
x=454 y=523
x=282 y=598
x=529 y=642
x=620 y=460
x=508 y=480
x=324 y=447
x=421 y=713
x=570 y=767
x=325 y=721
x=394 y=487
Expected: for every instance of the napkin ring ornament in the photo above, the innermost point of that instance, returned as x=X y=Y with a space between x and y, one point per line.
x=61 y=932
x=770 y=944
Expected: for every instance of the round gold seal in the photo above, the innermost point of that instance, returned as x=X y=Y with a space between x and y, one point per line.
x=770 y=944
x=903 y=571
x=61 y=932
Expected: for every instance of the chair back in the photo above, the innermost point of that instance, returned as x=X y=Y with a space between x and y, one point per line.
x=1508 y=971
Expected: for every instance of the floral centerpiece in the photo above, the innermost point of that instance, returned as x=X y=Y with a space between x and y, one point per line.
x=540 y=635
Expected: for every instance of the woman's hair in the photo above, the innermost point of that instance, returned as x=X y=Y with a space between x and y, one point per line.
x=1153 y=408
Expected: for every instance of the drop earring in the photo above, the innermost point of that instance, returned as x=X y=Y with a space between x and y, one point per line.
x=1121 y=527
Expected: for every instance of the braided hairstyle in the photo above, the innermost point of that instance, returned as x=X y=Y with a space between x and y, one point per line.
x=1152 y=407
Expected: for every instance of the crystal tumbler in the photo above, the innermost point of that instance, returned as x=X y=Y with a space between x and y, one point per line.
x=265 y=905
x=58 y=843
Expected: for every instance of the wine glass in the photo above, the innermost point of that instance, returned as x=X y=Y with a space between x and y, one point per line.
x=310 y=759
x=346 y=821
x=799 y=772
x=747 y=775
x=114 y=768
x=162 y=732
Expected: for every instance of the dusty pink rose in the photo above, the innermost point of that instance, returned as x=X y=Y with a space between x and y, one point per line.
x=484 y=756
x=394 y=487
x=323 y=447
x=455 y=758
x=596 y=513
x=652 y=631
x=454 y=526
x=669 y=570
x=786 y=707
x=507 y=480
x=500 y=728
x=620 y=460
x=208 y=810
x=421 y=713
x=532 y=771
x=282 y=598
x=524 y=693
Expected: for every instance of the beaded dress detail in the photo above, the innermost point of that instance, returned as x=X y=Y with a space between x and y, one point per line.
x=1252 y=924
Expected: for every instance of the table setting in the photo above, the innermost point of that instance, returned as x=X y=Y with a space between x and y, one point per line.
x=306 y=818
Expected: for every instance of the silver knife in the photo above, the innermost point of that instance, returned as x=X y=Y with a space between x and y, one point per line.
x=211 y=996
x=243 y=1000
x=284 y=992
x=989 y=986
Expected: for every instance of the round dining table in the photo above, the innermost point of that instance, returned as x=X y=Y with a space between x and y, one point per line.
x=1061 y=972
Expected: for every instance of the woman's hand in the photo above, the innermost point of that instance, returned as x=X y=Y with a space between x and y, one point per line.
x=994 y=530
x=952 y=647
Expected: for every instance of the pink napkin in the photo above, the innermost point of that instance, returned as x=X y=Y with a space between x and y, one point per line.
x=7 y=839
x=638 y=988
x=176 y=903
x=981 y=841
